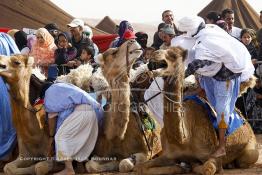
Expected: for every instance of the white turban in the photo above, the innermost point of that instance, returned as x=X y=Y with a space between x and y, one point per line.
x=190 y=24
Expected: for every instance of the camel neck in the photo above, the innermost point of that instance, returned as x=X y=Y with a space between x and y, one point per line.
x=173 y=110
x=25 y=120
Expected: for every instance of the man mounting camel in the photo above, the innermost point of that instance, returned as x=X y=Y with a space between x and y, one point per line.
x=223 y=63
x=72 y=120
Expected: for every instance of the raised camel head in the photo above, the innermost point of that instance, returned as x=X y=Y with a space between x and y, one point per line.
x=169 y=61
x=119 y=60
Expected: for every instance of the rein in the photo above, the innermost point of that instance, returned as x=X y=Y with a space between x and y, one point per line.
x=161 y=91
x=31 y=109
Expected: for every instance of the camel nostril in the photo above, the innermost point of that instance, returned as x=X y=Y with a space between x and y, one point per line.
x=2 y=66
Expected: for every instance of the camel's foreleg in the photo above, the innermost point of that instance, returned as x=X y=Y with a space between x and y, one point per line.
x=94 y=166
x=13 y=168
x=211 y=166
x=159 y=165
x=128 y=164
x=42 y=168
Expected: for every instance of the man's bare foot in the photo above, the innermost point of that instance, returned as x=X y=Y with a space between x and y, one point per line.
x=220 y=152
x=65 y=172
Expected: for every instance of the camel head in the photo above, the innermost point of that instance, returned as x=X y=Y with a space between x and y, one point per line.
x=120 y=60
x=16 y=67
x=168 y=62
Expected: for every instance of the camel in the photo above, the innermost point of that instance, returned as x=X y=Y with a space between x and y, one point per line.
x=121 y=144
x=188 y=135
x=32 y=140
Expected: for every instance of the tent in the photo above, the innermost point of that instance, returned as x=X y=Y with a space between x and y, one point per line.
x=107 y=25
x=34 y=14
x=245 y=15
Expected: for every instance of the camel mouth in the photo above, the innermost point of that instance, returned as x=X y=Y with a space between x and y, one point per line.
x=2 y=66
x=154 y=65
x=139 y=50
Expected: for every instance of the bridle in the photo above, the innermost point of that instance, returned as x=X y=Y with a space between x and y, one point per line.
x=30 y=108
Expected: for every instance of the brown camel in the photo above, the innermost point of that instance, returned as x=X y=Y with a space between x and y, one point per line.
x=121 y=141
x=32 y=141
x=188 y=134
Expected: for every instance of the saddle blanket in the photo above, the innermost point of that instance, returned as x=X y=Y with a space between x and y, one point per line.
x=235 y=121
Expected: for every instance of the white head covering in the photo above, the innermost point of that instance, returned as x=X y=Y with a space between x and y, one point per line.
x=88 y=31
x=187 y=43
x=190 y=24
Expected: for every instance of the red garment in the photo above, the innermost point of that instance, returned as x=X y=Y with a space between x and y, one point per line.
x=5 y=30
x=103 y=41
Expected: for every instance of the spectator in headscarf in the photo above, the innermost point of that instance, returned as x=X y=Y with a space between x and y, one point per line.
x=64 y=53
x=141 y=38
x=21 y=42
x=123 y=27
x=53 y=29
x=43 y=49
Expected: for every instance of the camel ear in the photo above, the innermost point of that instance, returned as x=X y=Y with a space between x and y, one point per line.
x=184 y=54
x=99 y=59
x=30 y=61
x=176 y=52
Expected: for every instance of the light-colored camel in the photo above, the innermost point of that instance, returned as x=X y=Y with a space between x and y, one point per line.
x=32 y=140
x=120 y=136
x=188 y=134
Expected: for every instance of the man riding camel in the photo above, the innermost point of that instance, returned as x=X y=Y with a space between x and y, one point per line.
x=222 y=63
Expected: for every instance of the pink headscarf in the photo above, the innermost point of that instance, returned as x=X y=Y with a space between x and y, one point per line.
x=44 y=54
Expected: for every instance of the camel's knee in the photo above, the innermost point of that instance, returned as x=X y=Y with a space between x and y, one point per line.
x=95 y=167
x=212 y=166
x=249 y=157
x=42 y=168
x=9 y=168
x=126 y=165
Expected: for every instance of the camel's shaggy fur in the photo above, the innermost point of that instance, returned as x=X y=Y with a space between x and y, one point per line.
x=79 y=77
x=188 y=134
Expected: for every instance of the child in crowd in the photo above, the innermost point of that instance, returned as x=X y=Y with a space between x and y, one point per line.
x=65 y=53
x=148 y=53
x=86 y=57
x=248 y=38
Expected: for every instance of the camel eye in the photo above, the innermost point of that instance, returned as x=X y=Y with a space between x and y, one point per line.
x=17 y=63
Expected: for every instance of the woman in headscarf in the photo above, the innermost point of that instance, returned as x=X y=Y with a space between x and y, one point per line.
x=64 y=53
x=21 y=42
x=123 y=27
x=7 y=131
x=43 y=49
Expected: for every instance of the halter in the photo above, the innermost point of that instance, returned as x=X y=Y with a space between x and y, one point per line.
x=30 y=108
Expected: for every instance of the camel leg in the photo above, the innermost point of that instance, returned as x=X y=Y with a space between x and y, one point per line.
x=248 y=157
x=128 y=164
x=12 y=167
x=211 y=166
x=159 y=165
x=42 y=168
x=93 y=166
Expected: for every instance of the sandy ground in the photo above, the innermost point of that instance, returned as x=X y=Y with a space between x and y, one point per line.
x=257 y=169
